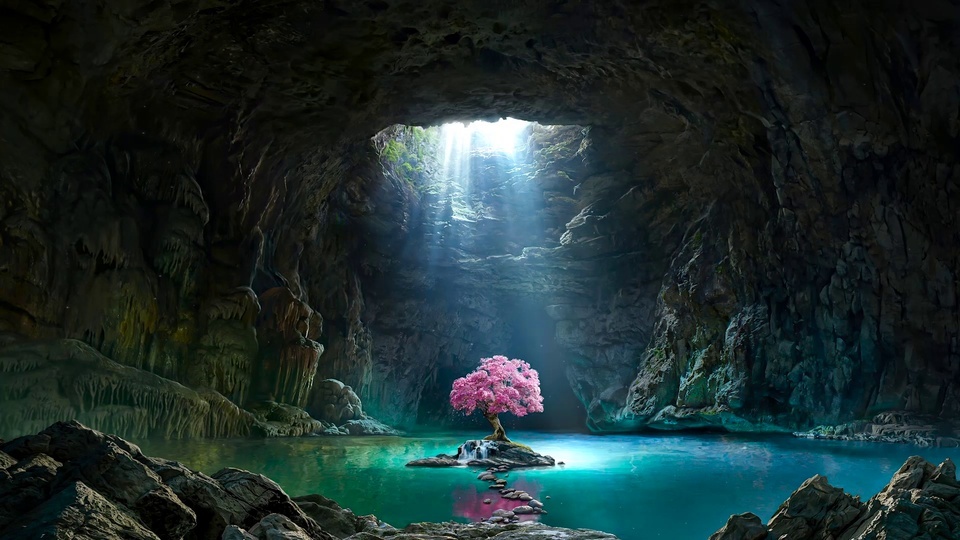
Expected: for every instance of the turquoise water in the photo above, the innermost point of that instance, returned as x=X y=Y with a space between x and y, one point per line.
x=676 y=486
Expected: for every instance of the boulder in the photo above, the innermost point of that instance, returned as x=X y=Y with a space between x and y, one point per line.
x=78 y=512
x=742 y=527
x=919 y=502
x=368 y=426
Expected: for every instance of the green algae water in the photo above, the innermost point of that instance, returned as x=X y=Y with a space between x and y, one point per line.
x=676 y=486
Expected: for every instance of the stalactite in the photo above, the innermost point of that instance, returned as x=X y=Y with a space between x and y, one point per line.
x=289 y=358
x=239 y=304
x=157 y=183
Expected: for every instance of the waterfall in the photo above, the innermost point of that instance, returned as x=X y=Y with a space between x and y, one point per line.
x=474 y=450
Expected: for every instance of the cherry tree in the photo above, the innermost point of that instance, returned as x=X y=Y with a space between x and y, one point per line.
x=499 y=385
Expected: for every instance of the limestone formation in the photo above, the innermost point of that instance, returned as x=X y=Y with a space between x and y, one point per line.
x=748 y=222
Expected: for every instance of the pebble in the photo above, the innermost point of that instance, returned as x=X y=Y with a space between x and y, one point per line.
x=523 y=510
x=507 y=490
x=525 y=497
x=535 y=503
x=487 y=501
x=561 y=463
x=547 y=497
x=501 y=513
x=495 y=486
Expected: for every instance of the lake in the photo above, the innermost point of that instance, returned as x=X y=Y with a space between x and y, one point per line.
x=677 y=486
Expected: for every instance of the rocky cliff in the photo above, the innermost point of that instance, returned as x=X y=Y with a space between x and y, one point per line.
x=756 y=230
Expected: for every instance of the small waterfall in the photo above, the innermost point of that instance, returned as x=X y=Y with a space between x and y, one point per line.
x=474 y=450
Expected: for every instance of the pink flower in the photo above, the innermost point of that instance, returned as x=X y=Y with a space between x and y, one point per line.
x=499 y=385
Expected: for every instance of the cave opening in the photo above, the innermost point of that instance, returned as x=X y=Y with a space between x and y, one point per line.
x=478 y=204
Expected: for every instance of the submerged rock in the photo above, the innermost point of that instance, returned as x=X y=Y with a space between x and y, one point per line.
x=514 y=531
x=919 y=502
x=482 y=453
x=72 y=482
x=368 y=426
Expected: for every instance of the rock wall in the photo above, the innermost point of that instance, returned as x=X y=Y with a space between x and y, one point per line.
x=758 y=231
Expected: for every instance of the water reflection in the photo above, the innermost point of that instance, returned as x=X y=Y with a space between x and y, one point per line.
x=674 y=486
x=468 y=501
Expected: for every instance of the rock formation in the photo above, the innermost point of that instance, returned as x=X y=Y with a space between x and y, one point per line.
x=754 y=228
x=919 y=502
x=69 y=481
x=484 y=453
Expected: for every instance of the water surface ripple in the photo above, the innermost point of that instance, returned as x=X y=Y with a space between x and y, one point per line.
x=676 y=486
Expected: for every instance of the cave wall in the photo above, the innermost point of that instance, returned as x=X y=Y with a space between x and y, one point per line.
x=764 y=230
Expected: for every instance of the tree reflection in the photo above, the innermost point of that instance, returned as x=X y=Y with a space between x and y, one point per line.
x=468 y=501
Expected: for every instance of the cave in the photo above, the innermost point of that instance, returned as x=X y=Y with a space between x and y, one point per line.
x=275 y=235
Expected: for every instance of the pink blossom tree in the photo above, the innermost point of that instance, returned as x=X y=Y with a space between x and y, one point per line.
x=499 y=385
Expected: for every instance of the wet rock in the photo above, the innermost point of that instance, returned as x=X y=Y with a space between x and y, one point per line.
x=281 y=420
x=104 y=463
x=916 y=503
x=742 y=527
x=487 y=501
x=498 y=454
x=278 y=527
x=26 y=484
x=368 y=426
x=262 y=496
x=233 y=532
x=78 y=512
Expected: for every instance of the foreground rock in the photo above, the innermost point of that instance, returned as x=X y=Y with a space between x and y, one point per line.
x=919 y=502
x=488 y=454
x=71 y=482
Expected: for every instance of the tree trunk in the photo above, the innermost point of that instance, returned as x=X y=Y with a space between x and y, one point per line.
x=498 y=433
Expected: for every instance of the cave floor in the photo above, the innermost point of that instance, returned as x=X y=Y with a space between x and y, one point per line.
x=675 y=486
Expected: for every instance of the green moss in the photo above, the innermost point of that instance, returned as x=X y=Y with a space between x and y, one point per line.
x=394 y=151
x=520 y=445
x=410 y=152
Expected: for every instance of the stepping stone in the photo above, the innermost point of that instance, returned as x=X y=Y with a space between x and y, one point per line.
x=487 y=501
x=523 y=510
x=535 y=503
